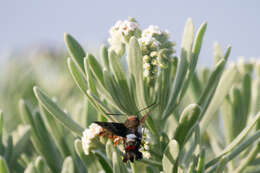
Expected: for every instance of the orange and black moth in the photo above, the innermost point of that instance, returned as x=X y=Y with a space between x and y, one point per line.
x=130 y=132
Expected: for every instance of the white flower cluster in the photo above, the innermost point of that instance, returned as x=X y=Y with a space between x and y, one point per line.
x=156 y=49
x=155 y=45
x=124 y=27
x=120 y=33
x=146 y=144
x=244 y=66
x=146 y=154
x=88 y=135
x=148 y=37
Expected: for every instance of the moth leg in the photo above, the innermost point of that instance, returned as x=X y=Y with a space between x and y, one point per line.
x=125 y=158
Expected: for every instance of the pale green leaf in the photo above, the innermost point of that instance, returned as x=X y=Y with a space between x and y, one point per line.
x=55 y=111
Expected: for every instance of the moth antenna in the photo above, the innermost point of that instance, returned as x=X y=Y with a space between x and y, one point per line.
x=135 y=113
x=114 y=114
x=146 y=115
x=146 y=107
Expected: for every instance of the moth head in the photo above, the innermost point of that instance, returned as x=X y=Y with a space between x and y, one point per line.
x=132 y=121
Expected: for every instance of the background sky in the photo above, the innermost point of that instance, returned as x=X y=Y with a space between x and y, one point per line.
x=24 y=24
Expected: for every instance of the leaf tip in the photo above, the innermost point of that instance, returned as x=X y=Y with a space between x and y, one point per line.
x=35 y=89
x=66 y=35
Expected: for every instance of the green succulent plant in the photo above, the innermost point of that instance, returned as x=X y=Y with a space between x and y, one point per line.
x=206 y=120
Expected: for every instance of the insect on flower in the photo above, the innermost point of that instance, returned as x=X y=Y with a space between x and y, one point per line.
x=131 y=133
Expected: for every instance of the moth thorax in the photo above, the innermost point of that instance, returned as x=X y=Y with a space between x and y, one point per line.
x=132 y=122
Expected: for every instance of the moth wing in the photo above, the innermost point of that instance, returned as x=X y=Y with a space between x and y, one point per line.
x=119 y=129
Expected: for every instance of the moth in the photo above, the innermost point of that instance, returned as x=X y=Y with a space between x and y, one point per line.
x=131 y=133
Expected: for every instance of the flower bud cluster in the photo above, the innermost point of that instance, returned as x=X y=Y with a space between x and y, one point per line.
x=156 y=50
x=120 y=34
x=245 y=66
x=155 y=45
x=88 y=136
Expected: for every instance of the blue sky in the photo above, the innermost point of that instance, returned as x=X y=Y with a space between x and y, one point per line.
x=27 y=23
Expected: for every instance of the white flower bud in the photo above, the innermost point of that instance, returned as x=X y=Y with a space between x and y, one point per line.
x=151 y=30
x=154 y=62
x=147 y=66
x=146 y=73
x=88 y=135
x=146 y=147
x=146 y=154
x=146 y=58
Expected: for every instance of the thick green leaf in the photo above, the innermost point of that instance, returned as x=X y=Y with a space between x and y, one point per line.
x=118 y=165
x=103 y=161
x=192 y=166
x=96 y=85
x=90 y=161
x=111 y=86
x=116 y=67
x=109 y=150
x=68 y=166
x=133 y=167
x=221 y=165
x=187 y=40
x=1 y=125
x=135 y=61
x=105 y=110
x=1 y=132
x=185 y=58
x=256 y=97
x=170 y=156
x=26 y=114
x=151 y=162
x=194 y=58
x=187 y=120
x=8 y=152
x=217 y=53
x=211 y=83
x=246 y=91
x=75 y=50
x=135 y=68
x=96 y=68
x=55 y=111
x=239 y=117
x=249 y=158
x=104 y=56
x=41 y=165
x=21 y=144
x=201 y=162
x=77 y=76
x=3 y=166
x=235 y=144
x=31 y=168
x=39 y=137
x=227 y=117
x=122 y=87
x=27 y=118
x=189 y=154
x=57 y=131
x=222 y=90
x=236 y=151
x=53 y=156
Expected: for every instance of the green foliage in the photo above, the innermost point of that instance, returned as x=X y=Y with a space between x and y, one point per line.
x=205 y=120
